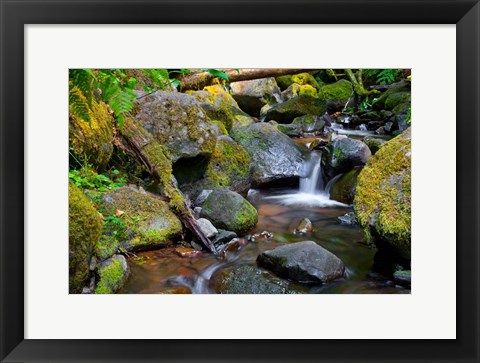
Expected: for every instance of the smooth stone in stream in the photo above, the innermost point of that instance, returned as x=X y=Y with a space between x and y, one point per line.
x=304 y=262
x=187 y=252
x=348 y=219
x=207 y=227
x=248 y=279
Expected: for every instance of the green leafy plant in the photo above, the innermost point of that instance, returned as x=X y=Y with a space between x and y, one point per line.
x=86 y=178
x=383 y=76
x=365 y=105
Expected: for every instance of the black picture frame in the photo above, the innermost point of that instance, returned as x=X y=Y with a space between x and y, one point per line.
x=15 y=14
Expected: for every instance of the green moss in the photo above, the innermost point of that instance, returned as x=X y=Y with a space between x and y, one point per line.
x=308 y=90
x=305 y=79
x=111 y=278
x=92 y=143
x=379 y=102
x=229 y=163
x=382 y=200
x=85 y=224
x=374 y=144
x=246 y=216
x=344 y=188
x=145 y=221
x=339 y=91
x=396 y=99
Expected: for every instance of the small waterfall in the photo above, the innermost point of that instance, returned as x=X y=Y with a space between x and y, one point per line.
x=313 y=180
x=312 y=192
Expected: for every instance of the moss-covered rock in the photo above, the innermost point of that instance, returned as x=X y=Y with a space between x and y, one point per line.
x=276 y=159
x=221 y=107
x=336 y=94
x=85 y=225
x=302 y=124
x=382 y=200
x=252 y=95
x=396 y=99
x=112 y=275
x=228 y=167
x=229 y=210
x=178 y=121
x=343 y=189
x=298 y=106
x=92 y=143
x=134 y=220
x=379 y=102
x=302 y=79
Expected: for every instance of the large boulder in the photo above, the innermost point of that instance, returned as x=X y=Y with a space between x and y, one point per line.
x=228 y=167
x=112 y=275
x=304 y=262
x=221 y=107
x=343 y=154
x=85 y=225
x=336 y=94
x=298 y=106
x=91 y=142
x=275 y=157
x=229 y=210
x=382 y=200
x=178 y=121
x=252 y=95
x=248 y=279
x=379 y=103
x=135 y=220
x=301 y=79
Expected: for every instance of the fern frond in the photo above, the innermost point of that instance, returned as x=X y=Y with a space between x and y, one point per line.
x=78 y=104
x=84 y=80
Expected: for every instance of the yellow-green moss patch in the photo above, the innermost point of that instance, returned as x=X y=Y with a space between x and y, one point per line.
x=382 y=200
x=85 y=224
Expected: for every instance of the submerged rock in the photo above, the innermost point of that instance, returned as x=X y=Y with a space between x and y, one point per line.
x=343 y=154
x=229 y=210
x=252 y=95
x=304 y=227
x=248 y=279
x=382 y=200
x=275 y=158
x=146 y=222
x=298 y=106
x=178 y=121
x=261 y=237
x=304 y=262
x=223 y=237
x=348 y=219
x=113 y=274
x=85 y=225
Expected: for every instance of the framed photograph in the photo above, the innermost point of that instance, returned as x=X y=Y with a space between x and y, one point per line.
x=269 y=181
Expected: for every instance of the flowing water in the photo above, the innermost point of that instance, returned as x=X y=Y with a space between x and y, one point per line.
x=280 y=211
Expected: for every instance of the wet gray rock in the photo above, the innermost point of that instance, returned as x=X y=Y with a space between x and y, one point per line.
x=178 y=121
x=298 y=106
x=305 y=226
x=276 y=159
x=304 y=262
x=343 y=154
x=348 y=219
x=303 y=124
x=202 y=196
x=248 y=279
x=223 y=237
x=207 y=227
x=252 y=95
x=229 y=210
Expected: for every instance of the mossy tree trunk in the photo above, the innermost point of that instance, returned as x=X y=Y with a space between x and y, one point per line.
x=196 y=81
x=138 y=143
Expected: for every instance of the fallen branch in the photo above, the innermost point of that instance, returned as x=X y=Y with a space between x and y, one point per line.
x=196 y=81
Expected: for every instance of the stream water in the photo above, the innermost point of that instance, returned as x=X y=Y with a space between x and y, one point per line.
x=280 y=211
